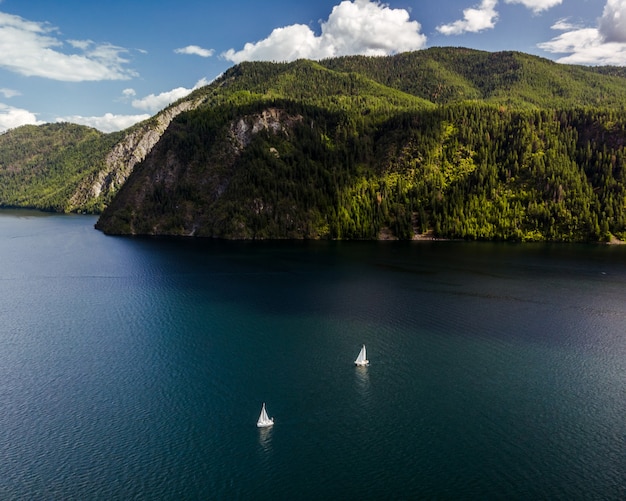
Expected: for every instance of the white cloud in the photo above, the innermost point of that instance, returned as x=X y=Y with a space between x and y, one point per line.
x=613 y=22
x=80 y=44
x=474 y=20
x=106 y=123
x=156 y=102
x=9 y=93
x=564 y=25
x=365 y=27
x=370 y=28
x=484 y=16
x=33 y=49
x=604 y=45
x=11 y=117
x=586 y=46
x=283 y=44
x=201 y=83
x=128 y=93
x=537 y=5
x=194 y=50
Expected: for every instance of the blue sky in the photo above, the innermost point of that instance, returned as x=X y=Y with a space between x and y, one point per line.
x=109 y=64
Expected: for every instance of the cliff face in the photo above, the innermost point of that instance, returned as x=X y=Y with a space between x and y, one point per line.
x=103 y=184
x=272 y=120
x=72 y=168
x=471 y=171
x=192 y=188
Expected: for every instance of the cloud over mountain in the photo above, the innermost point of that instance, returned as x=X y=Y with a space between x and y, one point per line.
x=11 y=117
x=156 y=102
x=612 y=25
x=474 y=20
x=106 y=123
x=360 y=27
x=604 y=44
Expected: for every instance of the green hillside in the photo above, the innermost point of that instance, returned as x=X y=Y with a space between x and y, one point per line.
x=447 y=142
x=445 y=75
x=65 y=167
x=41 y=166
x=349 y=151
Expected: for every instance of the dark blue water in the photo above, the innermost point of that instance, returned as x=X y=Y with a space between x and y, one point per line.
x=136 y=368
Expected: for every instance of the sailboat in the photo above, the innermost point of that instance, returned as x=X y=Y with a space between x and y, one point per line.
x=362 y=358
x=264 y=421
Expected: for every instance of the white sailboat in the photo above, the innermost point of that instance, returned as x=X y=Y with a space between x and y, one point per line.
x=264 y=420
x=362 y=358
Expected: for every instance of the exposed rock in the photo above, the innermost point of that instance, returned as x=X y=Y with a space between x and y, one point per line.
x=133 y=149
x=272 y=119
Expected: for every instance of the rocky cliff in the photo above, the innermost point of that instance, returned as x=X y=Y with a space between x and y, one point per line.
x=71 y=168
x=128 y=152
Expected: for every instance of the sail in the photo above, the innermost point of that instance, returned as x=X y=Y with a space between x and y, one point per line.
x=264 y=419
x=362 y=358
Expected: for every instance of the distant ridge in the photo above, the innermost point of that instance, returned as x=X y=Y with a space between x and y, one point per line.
x=444 y=75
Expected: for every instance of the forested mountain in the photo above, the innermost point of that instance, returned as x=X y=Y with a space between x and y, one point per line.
x=65 y=167
x=444 y=75
x=449 y=142
x=41 y=166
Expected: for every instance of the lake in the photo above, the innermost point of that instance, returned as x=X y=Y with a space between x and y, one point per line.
x=136 y=368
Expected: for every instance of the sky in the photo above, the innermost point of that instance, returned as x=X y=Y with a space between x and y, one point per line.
x=109 y=64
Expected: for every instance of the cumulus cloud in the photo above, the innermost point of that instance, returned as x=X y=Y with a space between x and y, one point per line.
x=602 y=45
x=364 y=27
x=106 y=123
x=11 y=117
x=613 y=22
x=537 y=5
x=194 y=50
x=586 y=46
x=283 y=44
x=474 y=20
x=34 y=49
x=156 y=102
x=371 y=28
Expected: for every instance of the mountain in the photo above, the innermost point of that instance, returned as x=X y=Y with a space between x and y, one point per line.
x=514 y=79
x=65 y=167
x=448 y=142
